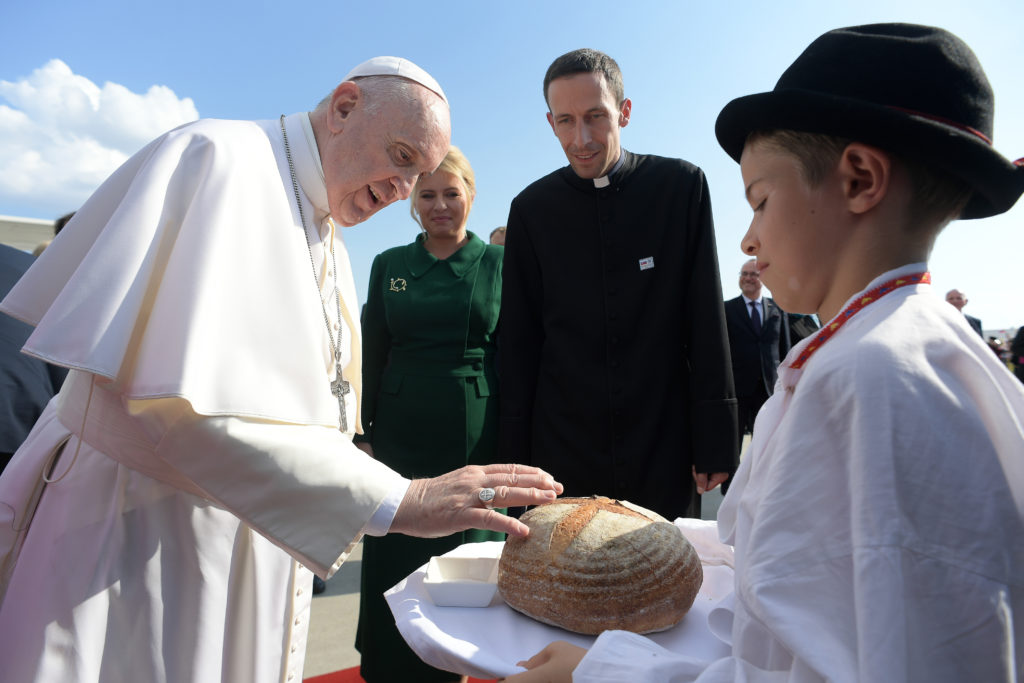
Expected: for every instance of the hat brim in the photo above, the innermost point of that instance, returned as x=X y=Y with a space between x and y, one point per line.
x=996 y=182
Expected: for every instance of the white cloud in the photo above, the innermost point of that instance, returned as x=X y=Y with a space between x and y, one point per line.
x=62 y=135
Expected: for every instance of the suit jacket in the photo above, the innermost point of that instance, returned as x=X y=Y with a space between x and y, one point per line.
x=975 y=324
x=800 y=326
x=26 y=384
x=755 y=357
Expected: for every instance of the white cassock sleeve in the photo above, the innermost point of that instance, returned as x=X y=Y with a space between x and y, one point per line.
x=306 y=488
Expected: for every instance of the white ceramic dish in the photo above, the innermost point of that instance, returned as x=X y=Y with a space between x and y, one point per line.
x=462 y=581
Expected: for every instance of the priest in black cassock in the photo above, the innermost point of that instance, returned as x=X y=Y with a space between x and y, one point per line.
x=614 y=356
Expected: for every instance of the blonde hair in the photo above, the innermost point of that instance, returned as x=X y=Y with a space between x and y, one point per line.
x=456 y=163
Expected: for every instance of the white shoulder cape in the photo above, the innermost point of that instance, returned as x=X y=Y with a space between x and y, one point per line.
x=187 y=274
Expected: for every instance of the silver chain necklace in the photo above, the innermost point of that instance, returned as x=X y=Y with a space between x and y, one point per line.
x=340 y=387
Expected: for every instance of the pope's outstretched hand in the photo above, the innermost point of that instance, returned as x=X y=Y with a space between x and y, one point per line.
x=452 y=502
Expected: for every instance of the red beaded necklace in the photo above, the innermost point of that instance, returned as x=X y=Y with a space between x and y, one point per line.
x=854 y=308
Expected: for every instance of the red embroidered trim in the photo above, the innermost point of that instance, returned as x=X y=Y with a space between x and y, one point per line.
x=948 y=122
x=853 y=309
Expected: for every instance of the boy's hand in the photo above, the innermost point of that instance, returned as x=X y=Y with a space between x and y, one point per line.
x=553 y=664
x=707 y=482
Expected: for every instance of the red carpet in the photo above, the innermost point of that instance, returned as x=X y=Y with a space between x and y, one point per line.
x=352 y=676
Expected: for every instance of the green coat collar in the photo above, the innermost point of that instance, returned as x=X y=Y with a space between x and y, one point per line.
x=419 y=260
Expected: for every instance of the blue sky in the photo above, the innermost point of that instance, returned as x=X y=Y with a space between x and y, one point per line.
x=127 y=71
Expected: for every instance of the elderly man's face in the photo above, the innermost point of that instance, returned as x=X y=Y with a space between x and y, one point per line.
x=586 y=118
x=750 y=280
x=372 y=159
x=957 y=298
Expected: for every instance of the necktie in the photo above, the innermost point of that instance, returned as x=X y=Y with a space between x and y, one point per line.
x=755 y=317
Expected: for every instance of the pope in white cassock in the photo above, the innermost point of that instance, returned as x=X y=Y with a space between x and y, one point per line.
x=162 y=520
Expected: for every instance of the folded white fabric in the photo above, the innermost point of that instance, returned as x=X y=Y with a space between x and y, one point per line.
x=703 y=536
x=488 y=642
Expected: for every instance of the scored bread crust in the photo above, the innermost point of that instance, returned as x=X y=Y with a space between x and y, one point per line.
x=595 y=564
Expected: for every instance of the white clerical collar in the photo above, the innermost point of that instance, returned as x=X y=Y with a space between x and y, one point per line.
x=604 y=181
x=308 y=169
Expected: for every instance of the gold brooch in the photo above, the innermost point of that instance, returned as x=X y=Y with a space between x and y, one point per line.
x=398 y=284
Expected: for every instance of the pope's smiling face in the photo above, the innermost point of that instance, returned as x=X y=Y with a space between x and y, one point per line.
x=377 y=145
x=586 y=119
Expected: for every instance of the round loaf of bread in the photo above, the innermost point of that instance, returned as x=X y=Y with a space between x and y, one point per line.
x=595 y=564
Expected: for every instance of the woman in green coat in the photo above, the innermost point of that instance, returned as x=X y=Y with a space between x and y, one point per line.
x=430 y=386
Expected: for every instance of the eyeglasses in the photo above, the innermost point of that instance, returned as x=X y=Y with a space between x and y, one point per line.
x=750 y=273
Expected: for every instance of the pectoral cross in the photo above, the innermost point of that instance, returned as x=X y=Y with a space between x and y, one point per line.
x=340 y=387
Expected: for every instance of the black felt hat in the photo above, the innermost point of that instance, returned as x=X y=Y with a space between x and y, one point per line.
x=914 y=90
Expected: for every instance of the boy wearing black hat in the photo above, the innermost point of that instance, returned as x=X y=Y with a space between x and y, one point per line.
x=855 y=560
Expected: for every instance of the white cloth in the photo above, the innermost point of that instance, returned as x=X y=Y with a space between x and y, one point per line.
x=488 y=642
x=203 y=454
x=876 y=519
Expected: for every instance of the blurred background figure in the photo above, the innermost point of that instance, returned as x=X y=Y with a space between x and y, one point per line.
x=431 y=387
x=758 y=340
x=26 y=384
x=1017 y=354
x=996 y=344
x=498 y=236
x=958 y=299
x=800 y=326
x=57 y=227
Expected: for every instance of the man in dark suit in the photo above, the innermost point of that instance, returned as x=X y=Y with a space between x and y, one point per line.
x=959 y=300
x=758 y=341
x=26 y=384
